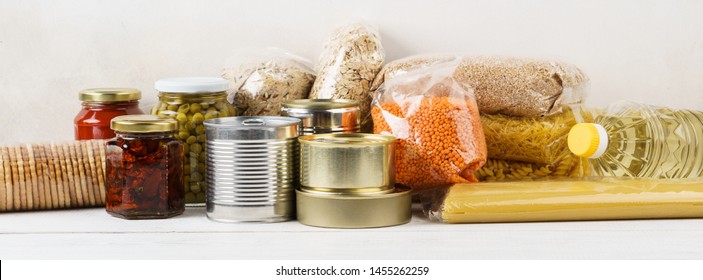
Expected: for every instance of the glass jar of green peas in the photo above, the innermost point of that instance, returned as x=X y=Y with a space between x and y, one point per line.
x=191 y=100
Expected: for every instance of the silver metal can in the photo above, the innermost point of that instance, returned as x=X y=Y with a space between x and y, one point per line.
x=324 y=115
x=252 y=168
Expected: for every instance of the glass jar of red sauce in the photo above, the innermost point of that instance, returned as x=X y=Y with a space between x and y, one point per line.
x=144 y=168
x=100 y=105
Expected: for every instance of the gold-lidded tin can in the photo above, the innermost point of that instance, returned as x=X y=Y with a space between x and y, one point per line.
x=333 y=210
x=347 y=163
x=324 y=115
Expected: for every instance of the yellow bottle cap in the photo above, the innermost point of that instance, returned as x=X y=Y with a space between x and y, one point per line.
x=588 y=140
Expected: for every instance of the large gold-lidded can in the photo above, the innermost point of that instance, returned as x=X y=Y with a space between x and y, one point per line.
x=347 y=163
x=334 y=210
x=324 y=115
x=192 y=100
x=347 y=181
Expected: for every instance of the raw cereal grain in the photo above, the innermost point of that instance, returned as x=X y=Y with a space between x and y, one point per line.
x=349 y=62
x=512 y=86
x=259 y=89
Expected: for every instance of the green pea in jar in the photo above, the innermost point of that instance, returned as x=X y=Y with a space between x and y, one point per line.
x=191 y=100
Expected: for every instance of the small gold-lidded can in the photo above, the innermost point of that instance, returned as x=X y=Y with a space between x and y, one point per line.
x=324 y=115
x=347 y=163
x=334 y=210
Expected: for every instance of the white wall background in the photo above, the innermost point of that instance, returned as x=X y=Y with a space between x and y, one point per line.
x=650 y=51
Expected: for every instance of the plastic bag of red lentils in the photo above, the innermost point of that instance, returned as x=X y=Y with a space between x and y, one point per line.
x=436 y=121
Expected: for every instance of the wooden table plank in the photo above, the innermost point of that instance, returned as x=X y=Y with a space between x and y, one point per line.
x=92 y=234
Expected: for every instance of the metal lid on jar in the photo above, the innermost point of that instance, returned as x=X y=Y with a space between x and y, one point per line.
x=354 y=211
x=324 y=115
x=110 y=94
x=252 y=128
x=143 y=123
x=192 y=85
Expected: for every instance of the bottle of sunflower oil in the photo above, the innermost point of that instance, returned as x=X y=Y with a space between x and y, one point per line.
x=637 y=140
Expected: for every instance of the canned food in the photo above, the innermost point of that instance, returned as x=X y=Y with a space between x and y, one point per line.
x=252 y=168
x=347 y=163
x=354 y=211
x=324 y=115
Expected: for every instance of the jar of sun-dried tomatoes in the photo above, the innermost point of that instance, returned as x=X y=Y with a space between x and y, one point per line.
x=144 y=168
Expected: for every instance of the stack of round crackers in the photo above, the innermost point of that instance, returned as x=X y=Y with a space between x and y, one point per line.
x=52 y=176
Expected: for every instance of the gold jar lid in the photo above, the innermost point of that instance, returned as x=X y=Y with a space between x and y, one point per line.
x=336 y=210
x=143 y=123
x=110 y=94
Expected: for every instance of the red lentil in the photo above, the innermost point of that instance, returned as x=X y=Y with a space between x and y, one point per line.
x=440 y=140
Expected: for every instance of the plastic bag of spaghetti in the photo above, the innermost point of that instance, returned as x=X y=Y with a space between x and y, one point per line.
x=593 y=198
x=349 y=62
x=512 y=86
x=436 y=122
x=260 y=80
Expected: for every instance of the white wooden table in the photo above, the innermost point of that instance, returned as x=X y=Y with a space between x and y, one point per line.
x=93 y=234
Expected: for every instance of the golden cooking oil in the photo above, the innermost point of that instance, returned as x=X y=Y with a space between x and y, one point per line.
x=646 y=141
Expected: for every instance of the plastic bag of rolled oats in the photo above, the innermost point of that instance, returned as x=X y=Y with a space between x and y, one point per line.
x=513 y=86
x=261 y=79
x=349 y=62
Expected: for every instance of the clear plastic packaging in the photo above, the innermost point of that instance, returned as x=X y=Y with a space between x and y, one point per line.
x=529 y=148
x=638 y=140
x=52 y=176
x=565 y=200
x=261 y=80
x=501 y=169
x=511 y=86
x=348 y=64
x=437 y=125
x=535 y=140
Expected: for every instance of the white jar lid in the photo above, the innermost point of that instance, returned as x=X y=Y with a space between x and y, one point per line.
x=192 y=84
